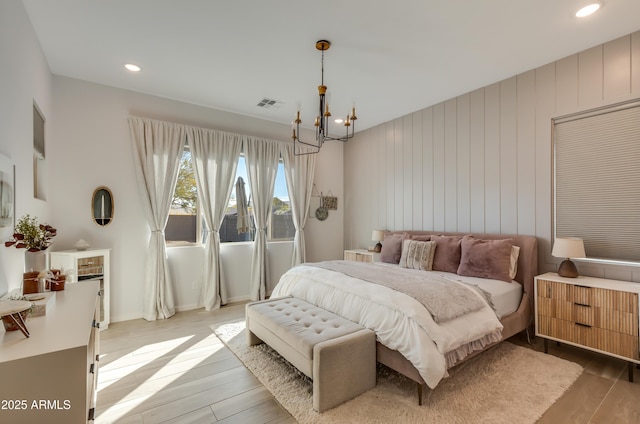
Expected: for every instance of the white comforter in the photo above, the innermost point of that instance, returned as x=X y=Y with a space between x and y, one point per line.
x=400 y=322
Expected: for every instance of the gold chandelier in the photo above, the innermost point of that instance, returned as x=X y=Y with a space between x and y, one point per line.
x=322 y=120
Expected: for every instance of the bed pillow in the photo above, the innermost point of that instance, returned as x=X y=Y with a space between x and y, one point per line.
x=421 y=237
x=448 y=250
x=417 y=254
x=392 y=247
x=486 y=258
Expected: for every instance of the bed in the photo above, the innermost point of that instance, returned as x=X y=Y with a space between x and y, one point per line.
x=424 y=359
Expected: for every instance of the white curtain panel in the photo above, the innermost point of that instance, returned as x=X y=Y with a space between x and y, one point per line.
x=299 y=172
x=157 y=148
x=215 y=158
x=262 y=165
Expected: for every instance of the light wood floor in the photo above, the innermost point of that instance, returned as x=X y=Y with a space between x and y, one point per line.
x=176 y=371
x=601 y=395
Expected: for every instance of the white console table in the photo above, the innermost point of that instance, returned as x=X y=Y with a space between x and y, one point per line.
x=51 y=376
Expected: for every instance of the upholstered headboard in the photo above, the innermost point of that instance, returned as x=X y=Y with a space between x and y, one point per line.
x=527 y=260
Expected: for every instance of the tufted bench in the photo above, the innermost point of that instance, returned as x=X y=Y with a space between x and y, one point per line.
x=337 y=354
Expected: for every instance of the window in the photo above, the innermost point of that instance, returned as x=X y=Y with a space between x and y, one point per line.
x=229 y=229
x=185 y=223
x=281 y=225
x=597 y=180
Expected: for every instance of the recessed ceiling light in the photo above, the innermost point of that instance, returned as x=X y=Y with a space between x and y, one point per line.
x=587 y=10
x=339 y=121
x=132 y=67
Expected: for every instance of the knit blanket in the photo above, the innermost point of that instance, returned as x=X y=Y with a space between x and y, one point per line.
x=445 y=299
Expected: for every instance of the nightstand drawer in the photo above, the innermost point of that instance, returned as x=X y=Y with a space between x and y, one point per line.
x=590 y=336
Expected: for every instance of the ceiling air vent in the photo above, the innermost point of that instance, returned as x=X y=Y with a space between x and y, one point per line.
x=267 y=103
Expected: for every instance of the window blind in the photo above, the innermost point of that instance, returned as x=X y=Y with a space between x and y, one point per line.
x=597 y=181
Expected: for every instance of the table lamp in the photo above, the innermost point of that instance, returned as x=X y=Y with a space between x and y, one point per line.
x=377 y=235
x=568 y=247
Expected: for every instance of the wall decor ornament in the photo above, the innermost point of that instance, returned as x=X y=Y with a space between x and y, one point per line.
x=330 y=201
x=102 y=206
x=322 y=213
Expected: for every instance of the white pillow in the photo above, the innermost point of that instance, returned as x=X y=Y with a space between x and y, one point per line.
x=513 y=264
x=417 y=254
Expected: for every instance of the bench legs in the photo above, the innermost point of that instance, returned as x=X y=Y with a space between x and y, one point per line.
x=343 y=368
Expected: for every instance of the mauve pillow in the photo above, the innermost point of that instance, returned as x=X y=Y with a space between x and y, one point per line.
x=392 y=247
x=421 y=237
x=486 y=258
x=448 y=250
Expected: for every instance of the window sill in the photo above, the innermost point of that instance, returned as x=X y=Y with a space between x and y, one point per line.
x=178 y=244
x=174 y=245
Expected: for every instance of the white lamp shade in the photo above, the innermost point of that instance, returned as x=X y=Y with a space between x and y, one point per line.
x=568 y=247
x=377 y=235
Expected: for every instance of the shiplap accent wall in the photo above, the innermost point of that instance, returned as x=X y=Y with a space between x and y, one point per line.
x=482 y=162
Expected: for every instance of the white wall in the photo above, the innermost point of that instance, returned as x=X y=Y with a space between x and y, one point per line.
x=482 y=162
x=24 y=79
x=90 y=147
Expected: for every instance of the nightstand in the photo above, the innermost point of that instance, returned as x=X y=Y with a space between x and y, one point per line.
x=361 y=255
x=593 y=313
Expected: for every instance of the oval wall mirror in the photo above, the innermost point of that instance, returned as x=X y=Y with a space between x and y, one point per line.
x=102 y=206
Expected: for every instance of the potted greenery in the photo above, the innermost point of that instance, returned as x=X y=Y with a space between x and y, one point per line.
x=30 y=235
x=35 y=238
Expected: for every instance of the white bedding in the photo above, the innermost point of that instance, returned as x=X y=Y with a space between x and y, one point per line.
x=400 y=322
x=506 y=297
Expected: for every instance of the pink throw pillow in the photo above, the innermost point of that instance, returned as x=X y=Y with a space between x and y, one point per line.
x=486 y=258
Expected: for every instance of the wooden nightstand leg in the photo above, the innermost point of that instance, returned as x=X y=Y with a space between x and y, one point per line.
x=546 y=346
x=630 y=372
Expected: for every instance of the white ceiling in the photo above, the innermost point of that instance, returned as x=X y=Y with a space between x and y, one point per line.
x=388 y=58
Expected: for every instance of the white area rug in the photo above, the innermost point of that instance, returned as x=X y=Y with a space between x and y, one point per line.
x=507 y=384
